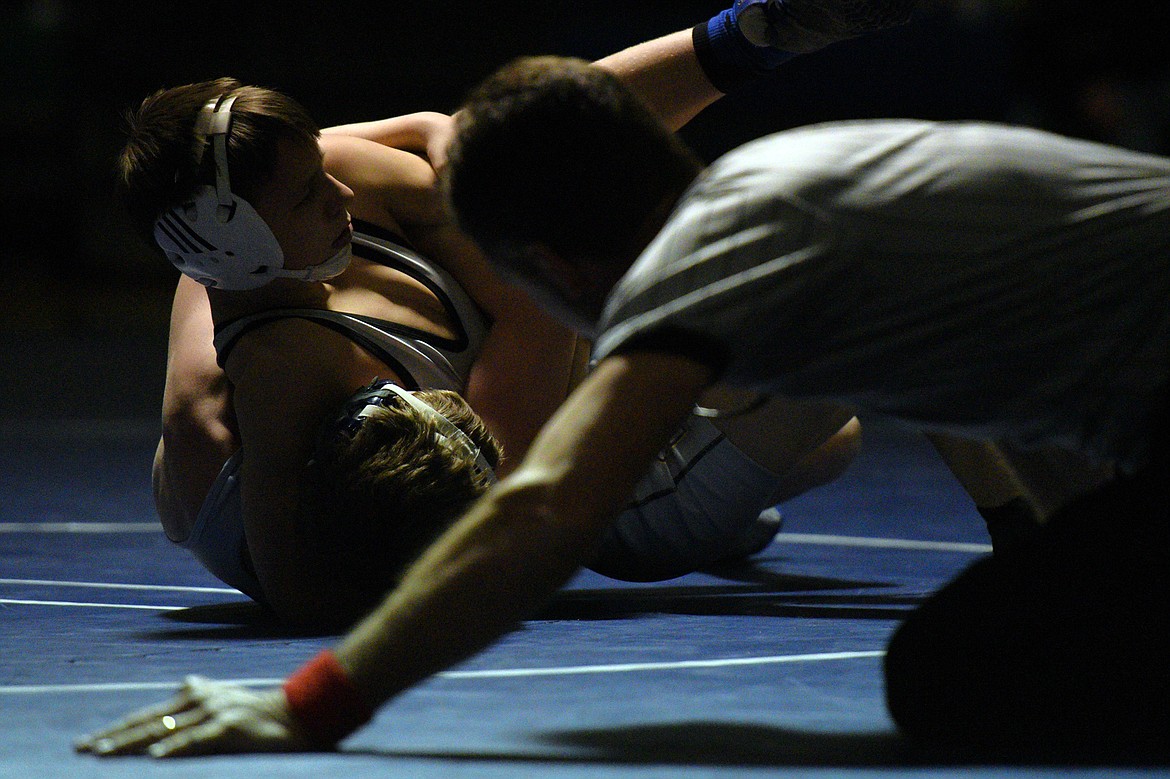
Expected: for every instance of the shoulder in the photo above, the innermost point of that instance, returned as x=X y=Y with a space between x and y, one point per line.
x=292 y=355
x=827 y=149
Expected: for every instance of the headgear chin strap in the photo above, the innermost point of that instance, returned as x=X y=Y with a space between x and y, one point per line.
x=216 y=237
x=375 y=395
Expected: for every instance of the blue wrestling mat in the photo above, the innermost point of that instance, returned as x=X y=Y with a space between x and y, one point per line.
x=769 y=669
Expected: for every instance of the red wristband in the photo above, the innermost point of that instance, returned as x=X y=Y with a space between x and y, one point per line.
x=325 y=701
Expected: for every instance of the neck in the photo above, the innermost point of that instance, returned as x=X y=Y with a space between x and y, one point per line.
x=279 y=293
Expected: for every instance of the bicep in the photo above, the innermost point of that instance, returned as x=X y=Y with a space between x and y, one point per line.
x=198 y=421
x=194 y=380
x=417 y=133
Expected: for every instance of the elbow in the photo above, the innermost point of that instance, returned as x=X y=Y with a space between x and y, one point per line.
x=205 y=422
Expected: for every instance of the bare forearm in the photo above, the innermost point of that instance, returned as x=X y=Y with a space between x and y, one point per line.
x=409 y=132
x=499 y=567
x=186 y=464
x=666 y=75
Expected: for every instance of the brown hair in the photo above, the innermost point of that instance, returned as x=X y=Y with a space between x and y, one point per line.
x=382 y=496
x=556 y=151
x=162 y=162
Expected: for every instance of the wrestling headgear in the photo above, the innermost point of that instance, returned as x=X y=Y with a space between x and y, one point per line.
x=216 y=237
x=378 y=393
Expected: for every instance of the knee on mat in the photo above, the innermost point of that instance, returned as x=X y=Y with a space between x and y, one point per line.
x=966 y=686
x=943 y=701
x=915 y=693
x=956 y=670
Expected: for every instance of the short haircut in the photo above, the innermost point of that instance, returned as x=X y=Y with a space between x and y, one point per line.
x=556 y=151
x=162 y=162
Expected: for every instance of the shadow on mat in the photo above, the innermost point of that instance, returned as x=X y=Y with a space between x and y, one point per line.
x=734 y=744
x=240 y=620
x=763 y=594
x=229 y=621
x=746 y=745
x=711 y=743
x=774 y=595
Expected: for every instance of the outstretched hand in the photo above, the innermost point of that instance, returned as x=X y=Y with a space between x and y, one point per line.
x=205 y=717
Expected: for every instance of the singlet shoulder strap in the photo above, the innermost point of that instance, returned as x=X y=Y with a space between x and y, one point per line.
x=418 y=357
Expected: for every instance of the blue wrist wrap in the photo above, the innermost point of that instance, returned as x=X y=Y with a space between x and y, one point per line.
x=727 y=57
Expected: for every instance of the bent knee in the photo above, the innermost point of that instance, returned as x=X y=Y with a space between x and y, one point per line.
x=824 y=464
x=839 y=452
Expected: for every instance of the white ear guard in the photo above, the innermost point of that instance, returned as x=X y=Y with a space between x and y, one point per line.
x=233 y=254
x=374 y=396
x=217 y=238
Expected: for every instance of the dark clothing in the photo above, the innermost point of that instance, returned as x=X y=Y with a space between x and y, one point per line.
x=1058 y=649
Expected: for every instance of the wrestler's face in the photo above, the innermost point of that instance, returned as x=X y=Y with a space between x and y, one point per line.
x=304 y=206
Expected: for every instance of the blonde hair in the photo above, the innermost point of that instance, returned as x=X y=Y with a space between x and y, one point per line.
x=386 y=493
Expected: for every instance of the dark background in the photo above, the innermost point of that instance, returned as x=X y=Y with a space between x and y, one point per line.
x=76 y=280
